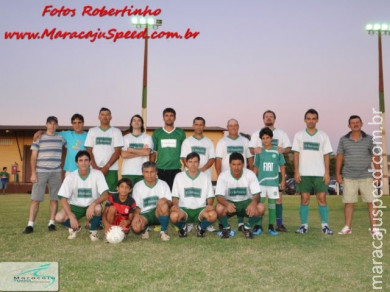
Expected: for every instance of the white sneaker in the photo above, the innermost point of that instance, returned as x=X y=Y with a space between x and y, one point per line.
x=73 y=233
x=190 y=226
x=145 y=234
x=374 y=231
x=211 y=228
x=345 y=230
x=164 y=236
x=93 y=236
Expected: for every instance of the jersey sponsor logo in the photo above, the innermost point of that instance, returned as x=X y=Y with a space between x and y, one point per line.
x=311 y=146
x=268 y=166
x=236 y=192
x=275 y=142
x=84 y=193
x=232 y=149
x=168 y=143
x=192 y=193
x=198 y=149
x=103 y=140
x=136 y=145
x=150 y=201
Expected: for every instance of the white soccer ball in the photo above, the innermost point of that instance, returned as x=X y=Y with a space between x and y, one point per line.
x=115 y=234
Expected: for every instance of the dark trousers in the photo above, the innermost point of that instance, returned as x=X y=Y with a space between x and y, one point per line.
x=168 y=175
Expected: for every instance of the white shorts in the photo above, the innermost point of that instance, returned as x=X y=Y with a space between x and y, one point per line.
x=270 y=192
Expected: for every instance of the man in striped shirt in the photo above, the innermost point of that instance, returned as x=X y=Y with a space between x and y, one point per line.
x=45 y=169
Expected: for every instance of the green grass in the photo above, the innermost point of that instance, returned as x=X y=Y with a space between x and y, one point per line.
x=289 y=262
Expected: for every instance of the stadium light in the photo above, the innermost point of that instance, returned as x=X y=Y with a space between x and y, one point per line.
x=145 y=23
x=379 y=29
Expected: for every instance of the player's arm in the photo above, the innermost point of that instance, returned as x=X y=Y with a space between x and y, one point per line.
x=251 y=161
x=34 y=155
x=93 y=162
x=218 y=165
x=297 y=175
x=339 y=163
x=175 y=205
x=283 y=175
x=327 y=163
x=209 y=164
x=152 y=156
x=91 y=209
x=230 y=207
x=284 y=150
x=251 y=210
x=255 y=151
x=131 y=152
x=38 y=135
x=114 y=157
x=72 y=218
x=377 y=166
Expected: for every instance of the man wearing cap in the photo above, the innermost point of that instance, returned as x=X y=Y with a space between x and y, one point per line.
x=45 y=169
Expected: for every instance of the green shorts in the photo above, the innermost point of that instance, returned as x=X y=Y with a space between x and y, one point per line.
x=133 y=178
x=312 y=183
x=193 y=215
x=112 y=179
x=151 y=217
x=240 y=208
x=79 y=212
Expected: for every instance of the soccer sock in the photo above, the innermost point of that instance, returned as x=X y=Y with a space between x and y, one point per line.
x=204 y=224
x=51 y=222
x=240 y=220
x=271 y=211
x=303 y=213
x=180 y=224
x=30 y=223
x=252 y=221
x=66 y=223
x=224 y=222
x=95 y=222
x=324 y=211
x=164 y=221
x=279 y=214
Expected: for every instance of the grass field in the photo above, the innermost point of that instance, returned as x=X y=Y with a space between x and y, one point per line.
x=289 y=262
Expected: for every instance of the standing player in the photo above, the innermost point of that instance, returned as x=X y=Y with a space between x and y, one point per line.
x=82 y=193
x=200 y=144
x=120 y=207
x=45 y=169
x=312 y=149
x=238 y=193
x=356 y=150
x=136 y=150
x=167 y=143
x=282 y=142
x=104 y=144
x=4 y=179
x=192 y=198
x=267 y=165
x=153 y=199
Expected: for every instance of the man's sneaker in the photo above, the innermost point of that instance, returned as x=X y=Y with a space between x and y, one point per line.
x=145 y=234
x=183 y=231
x=375 y=231
x=73 y=233
x=199 y=231
x=93 y=236
x=345 y=230
x=190 y=226
x=301 y=230
x=272 y=232
x=211 y=228
x=326 y=230
x=164 y=236
x=257 y=230
x=226 y=232
x=220 y=227
x=241 y=227
x=28 y=230
x=248 y=233
x=52 y=227
x=281 y=228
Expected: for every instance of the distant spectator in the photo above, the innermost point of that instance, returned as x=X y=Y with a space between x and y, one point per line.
x=4 y=179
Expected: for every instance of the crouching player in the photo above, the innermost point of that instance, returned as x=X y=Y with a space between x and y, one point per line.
x=192 y=189
x=82 y=193
x=120 y=207
x=238 y=193
x=153 y=200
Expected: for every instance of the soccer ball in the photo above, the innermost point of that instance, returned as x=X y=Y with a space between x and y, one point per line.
x=115 y=234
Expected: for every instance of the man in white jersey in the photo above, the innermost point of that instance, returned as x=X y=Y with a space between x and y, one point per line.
x=238 y=193
x=153 y=199
x=282 y=142
x=136 y=150
x=200 y=144
x=82 y=193
x=192 y=198
x=312 y=149
x=104 y=144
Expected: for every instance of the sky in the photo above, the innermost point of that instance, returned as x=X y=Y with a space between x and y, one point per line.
x=249 y=56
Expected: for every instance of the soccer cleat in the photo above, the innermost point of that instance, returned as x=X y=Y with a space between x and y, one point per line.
x=164 y=236
x=190 y=226
x=375 y=231
x=345 y=230
x=326 y=230
x=272 y=232
x=301 y=230
x=52 y=227
x=93 y=236
x=73 y=233
x=145 y=234
x=257 y=230
x=211 y=228
x=241 y=227
x=183 y=231
x=226 y=232
x=248 y=233
x=220 y=227
x=281 y=228
x=28 y=230
x=199 y=231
